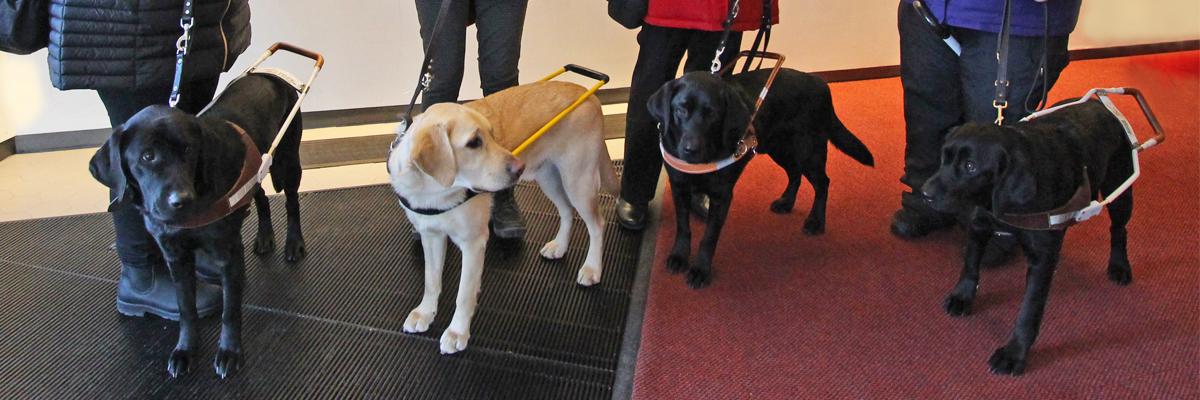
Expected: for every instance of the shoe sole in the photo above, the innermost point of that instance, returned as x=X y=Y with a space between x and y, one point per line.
x=140 y=311
x=509 y=233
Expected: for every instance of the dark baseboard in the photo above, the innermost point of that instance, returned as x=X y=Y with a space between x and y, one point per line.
x=1134 y=50
x=389 y=114
x=8 y=148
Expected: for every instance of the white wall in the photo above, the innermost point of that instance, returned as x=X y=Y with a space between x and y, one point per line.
x=373 y=48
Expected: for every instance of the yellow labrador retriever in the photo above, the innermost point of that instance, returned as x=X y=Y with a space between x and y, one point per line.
x=444 y=167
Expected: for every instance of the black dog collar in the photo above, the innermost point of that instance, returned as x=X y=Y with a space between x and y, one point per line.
x=435 y=211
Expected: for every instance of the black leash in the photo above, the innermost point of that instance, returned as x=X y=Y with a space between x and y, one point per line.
x=1001 y=100
x=426 y=76
x=726 y=28
x=1002 y=83
x=764 y=35
x=182 y=46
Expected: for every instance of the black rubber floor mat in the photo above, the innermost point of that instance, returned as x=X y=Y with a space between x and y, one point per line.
x=327 y=327
x=373 y=148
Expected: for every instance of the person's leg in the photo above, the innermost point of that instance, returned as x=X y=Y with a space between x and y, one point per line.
x=978 y=66
x=450 y=48
x=499 y=24
x=929 y=76
x=145 y=285
x=659 y=53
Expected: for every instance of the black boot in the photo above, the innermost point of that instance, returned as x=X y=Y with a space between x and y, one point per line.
x=699 y=205
x=630 y=216
x=145 y=285
x=142 y=291
x=506 y=217
x=915 y=219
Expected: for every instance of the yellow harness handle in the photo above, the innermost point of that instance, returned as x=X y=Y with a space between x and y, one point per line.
x=603 y=79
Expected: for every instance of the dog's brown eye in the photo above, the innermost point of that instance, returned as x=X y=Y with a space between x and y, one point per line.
x=475 y=143
x=970 y=167
x=148 y=156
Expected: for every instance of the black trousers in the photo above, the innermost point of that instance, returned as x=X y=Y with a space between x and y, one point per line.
x=943 y=90
x=661 y=50
x=135 y=247
x=499 y=25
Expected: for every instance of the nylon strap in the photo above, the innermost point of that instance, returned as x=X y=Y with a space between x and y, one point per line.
x=426 y=75
x=182 y=46
x=764 y=35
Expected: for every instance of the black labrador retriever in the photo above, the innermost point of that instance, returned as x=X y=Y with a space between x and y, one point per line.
x=174 y=166
x=1027 y=168
x=702 y=118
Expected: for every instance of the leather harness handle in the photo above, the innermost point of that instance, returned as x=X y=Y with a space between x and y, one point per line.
x=320 y=59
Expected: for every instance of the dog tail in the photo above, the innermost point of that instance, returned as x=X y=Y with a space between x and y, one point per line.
x=845 y=141
x=608 y=173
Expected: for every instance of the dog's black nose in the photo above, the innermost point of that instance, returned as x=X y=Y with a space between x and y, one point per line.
x=178 y=200
x=690 y=148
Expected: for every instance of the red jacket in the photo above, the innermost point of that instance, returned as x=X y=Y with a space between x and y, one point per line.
x=707 y=15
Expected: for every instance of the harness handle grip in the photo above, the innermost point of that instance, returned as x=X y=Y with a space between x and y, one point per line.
x=750 y=55
x=588 y=72
x=1159 y=134
x=320 y=59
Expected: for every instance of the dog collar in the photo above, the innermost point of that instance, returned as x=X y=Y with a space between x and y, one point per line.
x=1080 y=207
x=745 y=146
x=435 y=211
x=235 y=198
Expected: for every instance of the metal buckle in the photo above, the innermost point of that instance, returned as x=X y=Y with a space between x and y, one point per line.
x=742 y=149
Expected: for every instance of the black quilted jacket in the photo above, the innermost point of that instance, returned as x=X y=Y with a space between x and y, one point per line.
x=130 y=44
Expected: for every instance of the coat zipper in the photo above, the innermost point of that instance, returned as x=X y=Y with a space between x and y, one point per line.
x=224 y=40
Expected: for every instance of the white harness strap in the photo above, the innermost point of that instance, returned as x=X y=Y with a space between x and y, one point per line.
x=1096 y=207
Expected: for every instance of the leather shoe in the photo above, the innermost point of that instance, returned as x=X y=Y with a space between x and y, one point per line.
x=699 y=205
x=999 y=251
x=506 y=217
x=142 y=291
x=630 y=216
x=911 y=224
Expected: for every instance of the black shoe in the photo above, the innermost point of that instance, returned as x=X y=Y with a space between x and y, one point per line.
x=699 y=205
x=142 y=291
x=910 y=224
x=630 y=216
x=205 y=271
x=999 y=251
x=506 y=217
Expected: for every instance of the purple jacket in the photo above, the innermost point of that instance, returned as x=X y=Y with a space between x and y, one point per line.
x=987 y=15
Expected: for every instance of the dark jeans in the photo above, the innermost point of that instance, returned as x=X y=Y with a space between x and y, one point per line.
x=499 y=24
x=135 y=247
x=942 y=90
x=661 y=50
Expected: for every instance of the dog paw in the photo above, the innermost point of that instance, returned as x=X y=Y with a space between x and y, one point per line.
x=417 y=322
x=294 y=250
x=553 y=251
x=264 y=244
x=453 y=342
x=699 y=278
x=1120 y=273
x=782 y=205
x=1006 y=361
x=178 y=363
x=814 y=227
x=957 y=306
x=226 y=362
x=676 y=263
x=588 y=276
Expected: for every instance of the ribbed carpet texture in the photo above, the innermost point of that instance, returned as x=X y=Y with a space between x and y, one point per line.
x=856 y=313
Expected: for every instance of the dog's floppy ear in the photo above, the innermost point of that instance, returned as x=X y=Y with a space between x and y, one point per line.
x=432 y=154
x=108 y=167
x=1014 y=183
x=660 y=108
x=736 y=119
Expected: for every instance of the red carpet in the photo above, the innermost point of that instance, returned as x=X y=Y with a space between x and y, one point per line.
x=856 y=313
